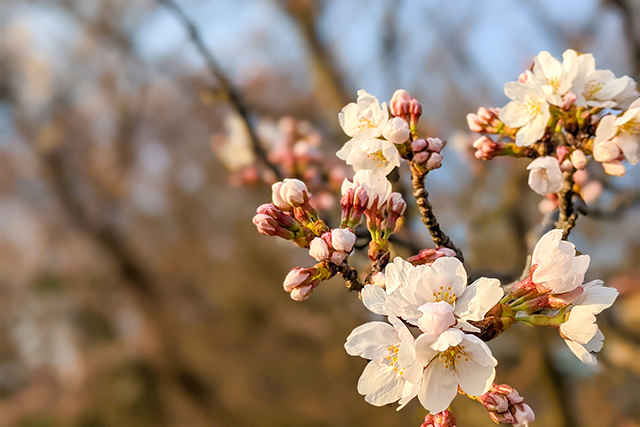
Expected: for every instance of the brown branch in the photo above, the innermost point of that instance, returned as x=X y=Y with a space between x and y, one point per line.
x=351 y=276
x=224 y=85
x=439 y=237
x=568 y=216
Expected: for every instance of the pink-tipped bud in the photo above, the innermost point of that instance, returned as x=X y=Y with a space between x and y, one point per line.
x=561 y=152
x=475 y=124
x=282 y=218
x=319 y=249
x=396 y=130
x=396 y=205
x=502 y=417
x=415 y=109
x=508 y=391
x=436 y=318
x=301 y=293
x=422 y=157
x=277 y=198
x=434 y=162
x=441 y=419
x=578 y=159
x=523 y=415
x=428 y=256
x=486 y=148
x=296 y=277
x=293 y=192
x=614 y=168
x=566 y=165
x=435 y=145
x=399 y=104
x=568 y=100
x=265 y=224
x=419 y=145
x=487 y=115
x=495 y=402
x=342 y=240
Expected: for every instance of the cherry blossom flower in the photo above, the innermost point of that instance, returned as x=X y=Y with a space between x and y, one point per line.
x=364 y=118
x=595 y=88
x=396 y=130
x=580 y=331
x=453 y=359
x=377 y=187
x=615 y=134
x=409 y=288
x=378 y=155
x=558 y=269
x=545 y=176
x=528 y=111
x=393 y=363
x=552 y=76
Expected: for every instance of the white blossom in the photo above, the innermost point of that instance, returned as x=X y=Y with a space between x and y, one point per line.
x=377 y=187
x=365 y=118
x=558 y=269
x=545 y=176
x=528 y=111
x=596 y=88
x=393 y=363
x=377 y=155
x=453 y=359
x=342 y=239
x=580 y=331
x=552 y=76
x=409 y=288
x=396 y=130
x=319 y=249
x=621 y=133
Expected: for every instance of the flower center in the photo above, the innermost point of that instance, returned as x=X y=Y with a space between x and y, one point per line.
x=592 y=88
x=532 y=107
x=542 y=175
x=445 y=295
x=554 y=82
x=453 y=355
x=378 y=158
x=392 y=359
x=365 y=124
x=632 y=127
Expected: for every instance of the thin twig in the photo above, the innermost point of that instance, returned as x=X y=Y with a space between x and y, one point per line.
x=224 y=85
x=426 y=212
x=350 y=275
x=568 y=215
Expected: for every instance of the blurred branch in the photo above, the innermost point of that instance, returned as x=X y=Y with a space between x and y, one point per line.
x=224 y=85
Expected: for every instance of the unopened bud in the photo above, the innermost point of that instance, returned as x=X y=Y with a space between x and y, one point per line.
x=486 y=148
x=495 y=402
x=319 y=249
x=277 y=199
x=502 y=417
x=283 y=219
x=508 y=391
x=561 y=152
x=396 y=204
x=434 y=162
x=606 y=151
x=441 y=419
x=296 y=277
x=422 y=157
x=301 y=293
x=342 y=239
x=436 y=318
x=568 y=100
x=419 y=145
x=566 y=165
x=614 y=168
x=523 y=415
x=399 y=104
x=435 y=145
x=428 y=256
x=523 y=77
x=378 y=279
x=265 y=224
x=475 y=124
x=396 y=130
x=578 y=159
x=415 y=109
x=293 y=192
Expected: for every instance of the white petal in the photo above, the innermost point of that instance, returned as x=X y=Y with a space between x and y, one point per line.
x=478 y=298
x=474 y=379
x=439 y=387
x=581 y=326
x=546 y=246
x=630 y=146
x=606 y=129
x=449 y=338
x=409 y=391
x=582 y=353
x=597 y=297
x=446 y=276
x=479 y=351
x=371 y=340
x=380 y=384
x=596 y=343
x=514 y=115
x=424 y=352
x=374 y=298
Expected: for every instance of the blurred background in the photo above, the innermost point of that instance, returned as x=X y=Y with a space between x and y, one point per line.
x=135 y=291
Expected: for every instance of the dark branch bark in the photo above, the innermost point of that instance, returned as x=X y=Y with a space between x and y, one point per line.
x=568 y=215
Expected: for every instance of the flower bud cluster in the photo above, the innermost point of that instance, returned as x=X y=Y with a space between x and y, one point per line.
x=300 y=282
x=404 y=105
x=273 y=221
x=441 y=419
x=506 y=406
x=426 y=153
x=292 y=196
x=334 y=246
x=485 y=121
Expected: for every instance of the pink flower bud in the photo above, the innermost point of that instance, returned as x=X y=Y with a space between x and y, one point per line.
x=522 y=78
x=396 y=130
x=486 y=115
x=296 y=277
x=293 y=191
x=495 y=402
x=434 y=162
x=418 y=145
x=486 y=147
x=337 y=257
x=361 y=199
x=399 y=104
x=319 y=249
x=422 y=157
x=301 y=293
x=579 y=159
x=502 y=417
x=415 y=109
x=342 y=239
x=580 y=176
x=378 y=279
x=436 y=318
x=561 y=152
x=396 y=204
x=614 y=168
x=475 y=124
x=428 y=256
x=441 y=419
x=523 y=415
x=265 y=224
x=510 y=392
x=435 y=145
x=568 y=100
x=566 y=165
x=277 y=199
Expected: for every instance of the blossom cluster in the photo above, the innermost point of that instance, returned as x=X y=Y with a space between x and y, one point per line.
x=562 y=113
